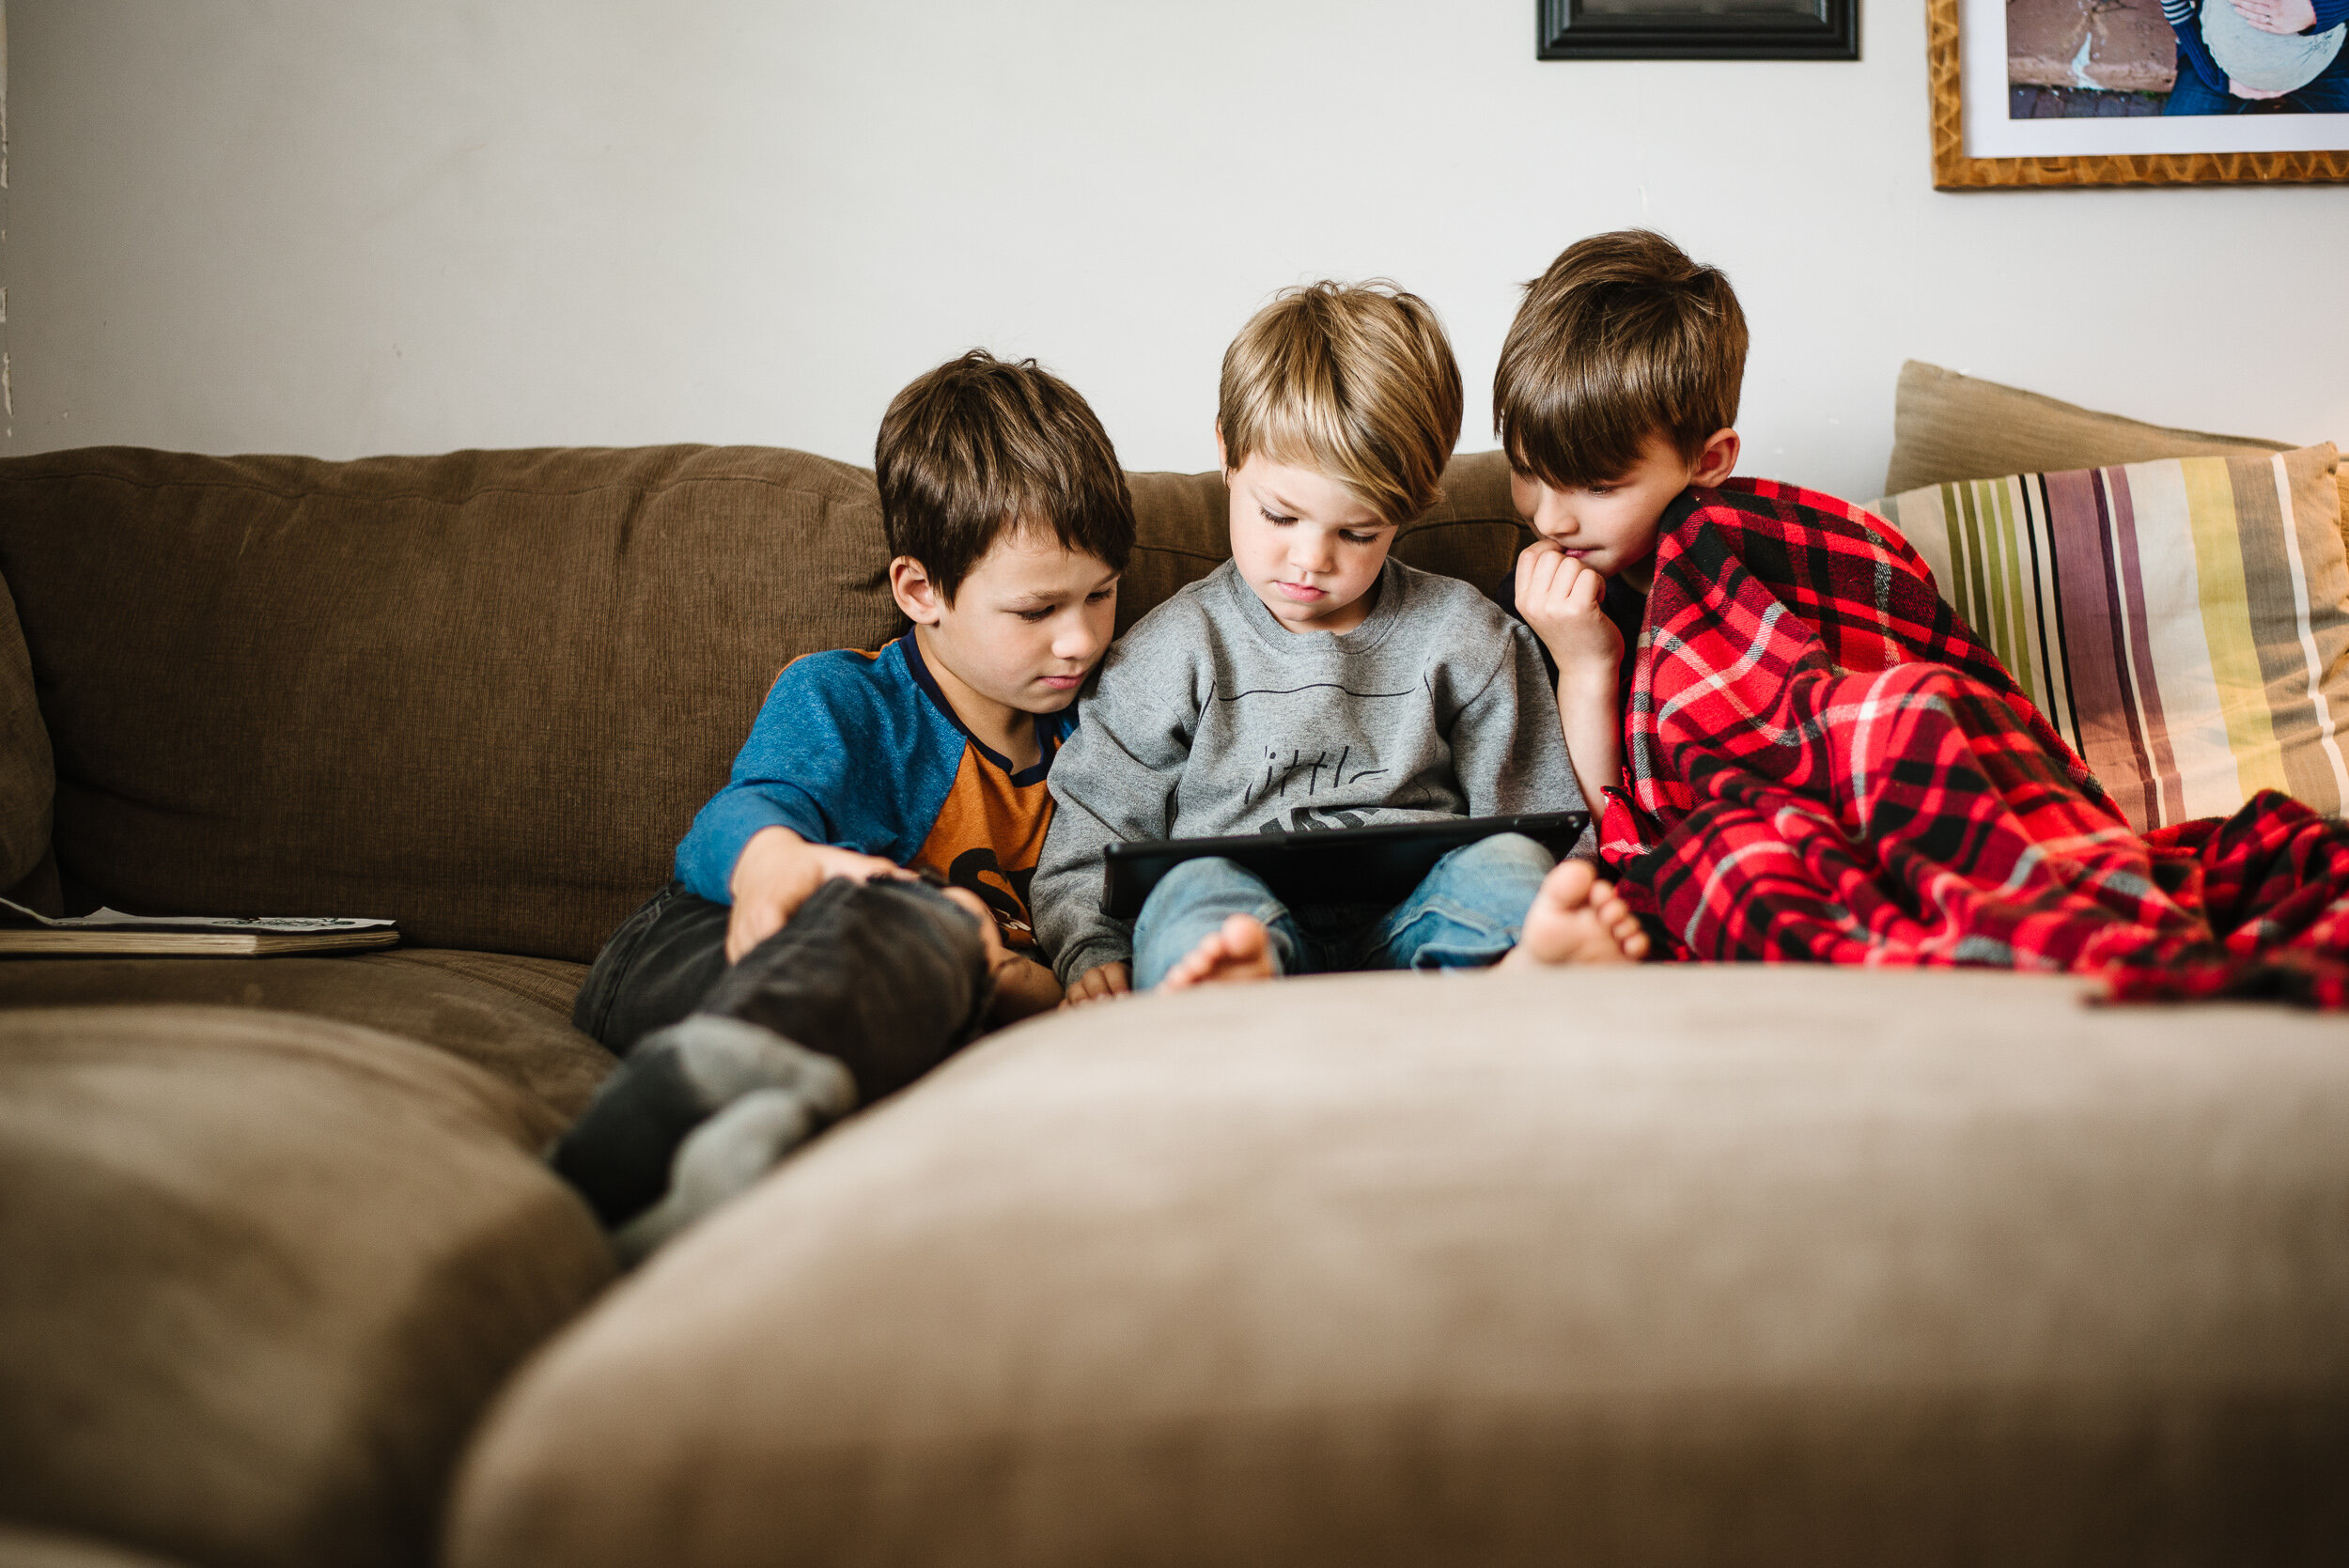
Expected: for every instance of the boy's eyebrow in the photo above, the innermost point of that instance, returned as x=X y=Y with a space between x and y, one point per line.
x=1037 y=596
x=1274 y=499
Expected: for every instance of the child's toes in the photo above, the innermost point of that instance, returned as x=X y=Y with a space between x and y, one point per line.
x=1247 y=949
x=1568 y=885
x=1242 y=938
x=1193 y=965
x=1240 y=949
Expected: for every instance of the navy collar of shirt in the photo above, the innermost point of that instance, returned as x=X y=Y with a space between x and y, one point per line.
x=1047 y=726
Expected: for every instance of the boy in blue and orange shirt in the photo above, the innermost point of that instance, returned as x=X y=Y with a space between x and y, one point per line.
x=852 y=906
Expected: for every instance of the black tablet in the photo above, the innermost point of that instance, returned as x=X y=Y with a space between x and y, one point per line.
x=1379 y=864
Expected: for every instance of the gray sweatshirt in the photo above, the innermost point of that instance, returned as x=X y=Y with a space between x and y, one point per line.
x=1211 y=718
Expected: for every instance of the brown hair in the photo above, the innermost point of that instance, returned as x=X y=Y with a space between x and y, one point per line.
x=981 y=446
x=1623 y=339
x=1357 y=380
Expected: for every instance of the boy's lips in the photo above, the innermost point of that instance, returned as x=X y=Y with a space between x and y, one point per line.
x=1302 y=593
x=1063 y=683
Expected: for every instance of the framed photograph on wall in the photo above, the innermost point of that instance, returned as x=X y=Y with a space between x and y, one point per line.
x=1697 y=29
x=2137 y=92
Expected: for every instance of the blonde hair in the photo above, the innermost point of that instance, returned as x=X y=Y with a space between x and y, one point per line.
x=1354 y=379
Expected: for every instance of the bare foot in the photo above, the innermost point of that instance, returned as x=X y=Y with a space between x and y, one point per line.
x=1239 y=950
x=1577 y=919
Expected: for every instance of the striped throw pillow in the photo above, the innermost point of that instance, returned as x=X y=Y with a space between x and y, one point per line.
x=2184 y=622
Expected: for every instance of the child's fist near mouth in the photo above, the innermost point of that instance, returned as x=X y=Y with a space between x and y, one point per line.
x=1561 y=598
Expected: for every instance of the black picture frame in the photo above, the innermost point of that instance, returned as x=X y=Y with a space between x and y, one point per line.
x=1570 y=30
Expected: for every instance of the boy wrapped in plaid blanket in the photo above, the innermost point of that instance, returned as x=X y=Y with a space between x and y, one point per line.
x=1827 y=764
x=1817 y=761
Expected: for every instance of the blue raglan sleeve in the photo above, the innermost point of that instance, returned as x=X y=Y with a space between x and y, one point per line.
x=829 y=757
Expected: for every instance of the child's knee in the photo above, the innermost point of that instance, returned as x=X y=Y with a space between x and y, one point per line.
x=1209 y=880
x=1512 y=857
x=1191 y=900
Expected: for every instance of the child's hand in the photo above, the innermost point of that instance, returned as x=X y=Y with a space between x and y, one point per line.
x=1560 y=599
x=1099 y=984
x=1023 y=988
x=777 y=872
x=990 y=937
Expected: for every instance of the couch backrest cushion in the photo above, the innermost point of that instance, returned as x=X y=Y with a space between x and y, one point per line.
x=481 y=693
x=27 y=776
x=1472 y=533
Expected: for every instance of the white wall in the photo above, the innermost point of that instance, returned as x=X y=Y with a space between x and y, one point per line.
x=341 y=228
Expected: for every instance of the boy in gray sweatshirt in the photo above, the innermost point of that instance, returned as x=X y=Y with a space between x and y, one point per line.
x=1311 y=681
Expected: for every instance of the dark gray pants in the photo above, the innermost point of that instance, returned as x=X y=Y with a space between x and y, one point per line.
x=888 y=976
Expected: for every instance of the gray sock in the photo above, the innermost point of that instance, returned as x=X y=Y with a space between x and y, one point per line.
x=723 y=1158
x=622 y=1153
x=724 y=1059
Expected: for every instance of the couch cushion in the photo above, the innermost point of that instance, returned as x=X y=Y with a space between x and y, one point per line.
x=511 y=1016
x=28 y=773
x=480 y=694
x=1471 y=533
x=2183 y=623
x=1669 y=1266
x=1949 y=427
x=262 y=1273
x=40 y=1549
x=1182 y=531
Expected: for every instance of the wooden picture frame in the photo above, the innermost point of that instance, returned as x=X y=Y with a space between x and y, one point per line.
x=1955 y=170
x=1663 y=30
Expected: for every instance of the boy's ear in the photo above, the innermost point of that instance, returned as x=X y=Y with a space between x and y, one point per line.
x=1717 y=460
x=910 y=585
x=1221 y=461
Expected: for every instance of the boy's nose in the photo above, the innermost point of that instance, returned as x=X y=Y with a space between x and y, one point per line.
x=1554 y=518
x=1077 y=644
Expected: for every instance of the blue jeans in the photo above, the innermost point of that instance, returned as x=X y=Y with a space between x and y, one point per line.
x=2327 y=95
x=1464 y=914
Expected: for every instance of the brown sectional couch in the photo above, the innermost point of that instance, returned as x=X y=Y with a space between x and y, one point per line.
x=1782 y=1270
x=1644 y=1267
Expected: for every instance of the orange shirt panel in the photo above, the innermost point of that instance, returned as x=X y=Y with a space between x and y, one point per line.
x=987 y=838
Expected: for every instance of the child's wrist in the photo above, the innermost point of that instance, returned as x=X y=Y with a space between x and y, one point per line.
x=766 y=854
x=1588 y=677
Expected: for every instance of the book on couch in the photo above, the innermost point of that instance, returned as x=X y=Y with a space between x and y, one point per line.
x=23 y=930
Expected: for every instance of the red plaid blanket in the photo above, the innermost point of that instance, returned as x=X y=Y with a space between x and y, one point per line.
x=1825 y=766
